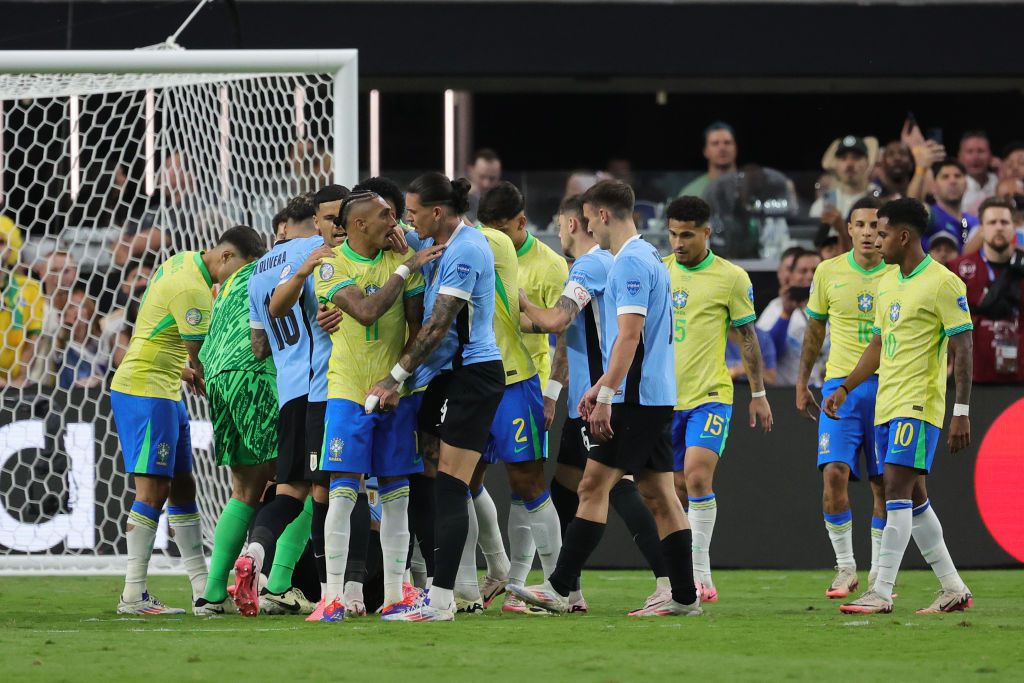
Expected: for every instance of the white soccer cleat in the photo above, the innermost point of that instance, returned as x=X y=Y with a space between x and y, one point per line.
x=292 y=601
x=659 y=596
x=491 y=589
x=950 y=601
x=424 y=612
x=844 y=583
x=543 y=596
x=868 y=603
x=670 y=608
x=468 y=605
x=577 y=603
x=148 y=605
x=514 y=605
x=203 y=608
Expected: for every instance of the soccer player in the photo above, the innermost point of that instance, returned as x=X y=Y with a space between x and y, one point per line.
x=843 y=296
x=628 y=411
x=282 y=308
x=921 y=310
x=365 y=281
x=709 y=295
x=150 y=415
x=461 y=367
x=584 y=293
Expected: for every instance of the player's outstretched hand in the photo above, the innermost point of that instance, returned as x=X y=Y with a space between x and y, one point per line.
x=396 y=238
x=549 y=413
x=314 y=259
x=194 y=381
x=834 y=402
x=959 y=433
x=424 y=256
x=328 y=319
x=761 y=411
x=805 y=402
x=386 y=392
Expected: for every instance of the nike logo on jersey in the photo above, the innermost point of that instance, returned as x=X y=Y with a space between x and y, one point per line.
x=897 y=450
x=520 y=449
x=838 y=285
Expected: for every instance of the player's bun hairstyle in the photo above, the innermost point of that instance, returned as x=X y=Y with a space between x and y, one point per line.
x=301 y=208
x=330 y=193
x=995 y=203
x=434 y=189
x=613 y=195
x=503 y=202
x=572 y=206
x=868 y=201
x=948 y=161
x=906 y=213
x=689 y=209
x=386 y=188
x=249 y=243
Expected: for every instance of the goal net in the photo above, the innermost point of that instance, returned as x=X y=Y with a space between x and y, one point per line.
x=110 y=162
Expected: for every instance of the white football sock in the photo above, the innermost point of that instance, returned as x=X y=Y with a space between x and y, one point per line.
x=337 y=530
x=703 y=513
x=187 y=532
x=927 y=533
x=520 y=543
x=442 y=598
x=467 y=585
x=394 y=537
x=546 y=530
x=895 y=537
x=140 y=548
x=258 y=553
x=490 y=535
x=840 y=532
x=877 y=524
x=354 y=591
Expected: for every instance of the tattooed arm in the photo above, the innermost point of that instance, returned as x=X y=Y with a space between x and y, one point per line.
x=814 y=337
x=260 y=343
x=750 y=350
x=543 y=320
x=430 y=336
x=962 y=347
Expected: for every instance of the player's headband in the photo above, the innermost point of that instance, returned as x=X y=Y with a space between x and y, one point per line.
x=349 y=202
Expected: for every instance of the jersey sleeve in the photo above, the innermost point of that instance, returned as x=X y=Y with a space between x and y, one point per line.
x=191 y=311
x=255 y=321
x=632 y=286
x=329 y=278
x=741 y=301
x=554 y=278
x=460 y=268
x=951 y=307
x=817 y=305
x=580 y=286
x=414 y=285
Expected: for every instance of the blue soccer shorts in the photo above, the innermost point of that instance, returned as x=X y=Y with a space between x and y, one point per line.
x=517 y=432
x=845 y=439
x=378 y=444
x=706 y=426
x=907 y=441
x=154 y=434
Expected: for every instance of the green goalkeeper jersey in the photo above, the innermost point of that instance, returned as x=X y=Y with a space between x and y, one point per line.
x=227 y=347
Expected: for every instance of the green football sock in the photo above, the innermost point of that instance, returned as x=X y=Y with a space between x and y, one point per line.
x=228 y=538
x=290 y=547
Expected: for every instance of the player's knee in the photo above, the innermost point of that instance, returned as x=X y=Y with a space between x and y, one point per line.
x=835 y=478
x=591 y=487
x=697 y=482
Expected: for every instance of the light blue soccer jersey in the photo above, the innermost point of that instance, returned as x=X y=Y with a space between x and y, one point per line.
x=291 y=336
x=583 y=338
x=638 y=283
x=465 y=271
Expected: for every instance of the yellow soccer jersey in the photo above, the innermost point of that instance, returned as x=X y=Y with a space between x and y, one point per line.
x=21 y=317
x=507 y=331
x=175 y=308
x=706 y=300
x=542 y=274
x=915 y=316
x=843 y=294
x=362 y=355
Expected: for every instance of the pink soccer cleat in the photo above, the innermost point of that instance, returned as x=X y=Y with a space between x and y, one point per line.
x=246 y=594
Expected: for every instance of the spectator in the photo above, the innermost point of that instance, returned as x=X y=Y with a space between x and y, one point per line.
x=279 y=223
x=21 y=311
x=749 y=211
x=947 y=213
x=895 y=171
x=852 y=158
x=1013 y=162
x=84 y=359
x=976 y=155
x=720 y=152
x=785 y=320
x=484 y=172
x=995 y=288
x=734 y=360
x=579 y=182
x=57 y=273
x=943 y=247
x=785 y=267
x=826 y=242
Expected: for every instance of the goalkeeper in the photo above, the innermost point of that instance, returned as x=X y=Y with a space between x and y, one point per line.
x=242 y=392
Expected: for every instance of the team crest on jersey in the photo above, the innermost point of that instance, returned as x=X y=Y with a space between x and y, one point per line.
x=463 y=270
x=679 y=298
x=193 y=316
x=326 y=271
x=962 y=303
x=337 y=446
x=286 y=271
x=632 y=286
x=894 y=312
x=750 y=292
x=823 y=443
x=163 y=452
x=865 y=302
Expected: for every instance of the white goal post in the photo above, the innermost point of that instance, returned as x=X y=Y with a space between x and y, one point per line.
x=111 y=161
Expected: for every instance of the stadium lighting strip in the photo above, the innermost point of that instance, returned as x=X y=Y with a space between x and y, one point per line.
x=300 y=113
x=225 y=144
x=74 y=145
x=150 y=143
x=375 y=134
x=449 y=133
x=3 y=121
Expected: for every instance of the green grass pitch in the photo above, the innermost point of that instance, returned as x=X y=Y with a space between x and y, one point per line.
x=769 y=625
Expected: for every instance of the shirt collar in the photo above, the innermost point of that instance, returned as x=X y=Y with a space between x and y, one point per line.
x=625 y=244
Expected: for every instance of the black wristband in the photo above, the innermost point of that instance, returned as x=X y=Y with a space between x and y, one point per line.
x=843 y=387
